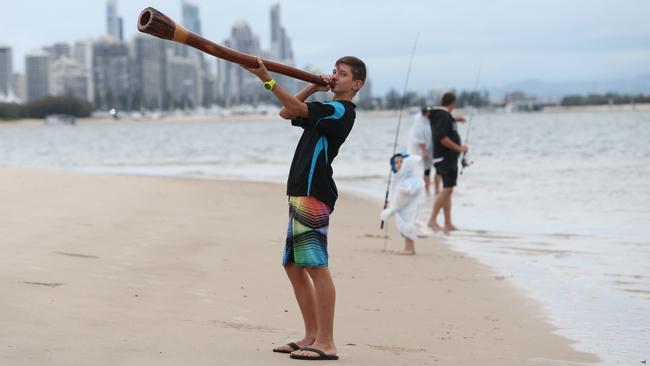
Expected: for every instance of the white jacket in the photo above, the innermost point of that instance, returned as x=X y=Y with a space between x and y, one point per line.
x=420 y=133
x=406 y=192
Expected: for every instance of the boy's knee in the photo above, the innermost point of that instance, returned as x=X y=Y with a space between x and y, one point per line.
x=317 y=272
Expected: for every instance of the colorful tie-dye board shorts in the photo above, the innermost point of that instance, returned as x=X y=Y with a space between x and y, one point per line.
x=306 y=244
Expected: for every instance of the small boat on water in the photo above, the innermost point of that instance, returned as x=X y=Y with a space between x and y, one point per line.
x=60 y=119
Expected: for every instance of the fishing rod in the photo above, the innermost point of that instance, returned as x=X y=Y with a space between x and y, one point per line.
x=463 y=157
x=399 y=122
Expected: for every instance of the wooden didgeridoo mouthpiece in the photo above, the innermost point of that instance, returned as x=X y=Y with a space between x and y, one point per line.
x=157 y=24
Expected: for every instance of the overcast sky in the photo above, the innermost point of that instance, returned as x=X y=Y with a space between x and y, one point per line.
x=550 y=40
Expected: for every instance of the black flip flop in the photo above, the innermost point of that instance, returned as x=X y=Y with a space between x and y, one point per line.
x=292 y=345
x=322 y=356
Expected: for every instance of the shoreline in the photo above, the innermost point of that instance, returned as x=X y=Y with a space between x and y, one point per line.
x=362 y=113
x=177 y=244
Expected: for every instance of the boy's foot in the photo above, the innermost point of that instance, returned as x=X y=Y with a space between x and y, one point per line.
x=293 y=346
x=451 y=227
x=405 y=252
x=434 y=226
x=310 y=353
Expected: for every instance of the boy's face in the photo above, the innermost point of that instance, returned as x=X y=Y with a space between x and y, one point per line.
x=398 y=163
x=343 y=82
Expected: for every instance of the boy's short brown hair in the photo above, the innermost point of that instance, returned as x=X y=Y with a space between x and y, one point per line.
x=448 y=99
x=358 y=67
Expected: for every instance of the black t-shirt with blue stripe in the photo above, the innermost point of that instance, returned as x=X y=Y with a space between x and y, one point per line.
x=325 y=130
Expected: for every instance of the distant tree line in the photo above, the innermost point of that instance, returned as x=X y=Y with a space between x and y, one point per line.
x=602 y=99
x=46 y=106
x=393 y=99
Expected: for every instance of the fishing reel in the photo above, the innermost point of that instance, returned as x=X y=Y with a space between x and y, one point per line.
x=465 y=162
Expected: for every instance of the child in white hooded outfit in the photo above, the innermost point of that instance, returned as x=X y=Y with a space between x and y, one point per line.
x=406 y=192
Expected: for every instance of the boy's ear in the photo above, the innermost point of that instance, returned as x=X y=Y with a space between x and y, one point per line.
x=357 y=85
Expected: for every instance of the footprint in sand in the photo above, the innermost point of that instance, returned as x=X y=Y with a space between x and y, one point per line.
x=78 y=255
x=47 y=284
x=396 y=349
x=244 y=327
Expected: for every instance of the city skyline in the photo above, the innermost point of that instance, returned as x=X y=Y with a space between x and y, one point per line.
x=143 y=72
x=552 y=41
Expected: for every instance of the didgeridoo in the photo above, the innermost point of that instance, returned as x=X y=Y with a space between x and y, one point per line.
x=157 y=24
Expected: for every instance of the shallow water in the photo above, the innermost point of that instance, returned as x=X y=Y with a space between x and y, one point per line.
x=558 y=202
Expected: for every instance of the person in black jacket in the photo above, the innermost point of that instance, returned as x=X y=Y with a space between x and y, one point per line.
x=446 y=146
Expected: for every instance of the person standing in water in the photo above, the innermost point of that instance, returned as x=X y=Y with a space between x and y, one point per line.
x=446 y=145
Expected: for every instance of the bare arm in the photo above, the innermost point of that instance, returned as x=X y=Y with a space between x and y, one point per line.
x=446 y=142
x=292 y=106
x=305 y=93
x=425 y=153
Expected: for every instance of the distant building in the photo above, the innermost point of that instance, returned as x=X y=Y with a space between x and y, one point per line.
x=184 y=80
x=236 y=85
x=83 y=54
x=280 y=42
x=58 y=51
x=364 y=97
x=68 y=78
x=113 y=21
x=37 y=77
x=111 y=74
x=67 y=74
x=6 y=71
x=281 y=48
x=19 y=87
x=191 y=18
x=150 y=71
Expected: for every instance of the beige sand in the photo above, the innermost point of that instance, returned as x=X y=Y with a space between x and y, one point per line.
x=115 y=270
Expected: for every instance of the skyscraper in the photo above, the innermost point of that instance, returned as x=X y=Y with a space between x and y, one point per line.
x=68 y=78
x=236 y=85
x=280 y=42
x=191 y=20
x=150 y=71
x=58 y=51
x=113 y=21
x=111 y=74
x=83 y=54
x=37 y=75
x=19 y=86
x=193 y=65
x=275 y=30
x=6 y=71
x=281 y=48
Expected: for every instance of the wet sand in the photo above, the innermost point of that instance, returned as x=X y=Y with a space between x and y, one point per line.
x=123 y=270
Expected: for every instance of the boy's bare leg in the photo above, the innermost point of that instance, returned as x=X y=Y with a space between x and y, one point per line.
x=325 y=300
x=304 y=291
x=427 y=183
x=438 y=204
x=436 y=183
x=409 y=247
x=447 y=210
